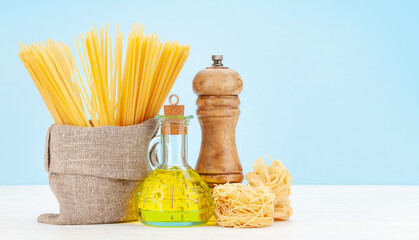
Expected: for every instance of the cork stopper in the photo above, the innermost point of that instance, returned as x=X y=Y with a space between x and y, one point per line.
x=173 y=109
x=174 y=126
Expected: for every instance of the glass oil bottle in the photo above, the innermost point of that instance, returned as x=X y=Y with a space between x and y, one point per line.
x=173 y=195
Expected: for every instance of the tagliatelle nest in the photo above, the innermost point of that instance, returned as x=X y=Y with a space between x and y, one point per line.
x=278 y=179
x=240 y=206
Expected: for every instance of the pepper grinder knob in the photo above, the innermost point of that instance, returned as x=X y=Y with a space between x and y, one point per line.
x=217 y=60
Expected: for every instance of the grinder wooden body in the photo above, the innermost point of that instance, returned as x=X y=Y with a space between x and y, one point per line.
x=218 y=111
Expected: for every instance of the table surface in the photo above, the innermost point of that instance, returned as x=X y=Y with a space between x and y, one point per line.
x=320 y=212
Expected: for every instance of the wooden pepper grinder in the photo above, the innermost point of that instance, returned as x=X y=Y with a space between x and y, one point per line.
x=218 y=111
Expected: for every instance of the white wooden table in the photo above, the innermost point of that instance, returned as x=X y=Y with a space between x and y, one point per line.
x=320 y=212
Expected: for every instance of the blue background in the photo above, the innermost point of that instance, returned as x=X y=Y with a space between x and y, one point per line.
x=330 y=87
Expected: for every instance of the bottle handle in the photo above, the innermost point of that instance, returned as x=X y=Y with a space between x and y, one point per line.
x=152 y=155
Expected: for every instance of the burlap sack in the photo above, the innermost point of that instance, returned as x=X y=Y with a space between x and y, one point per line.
x=95 y=172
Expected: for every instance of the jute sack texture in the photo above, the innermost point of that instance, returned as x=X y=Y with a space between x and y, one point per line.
x=95 y=172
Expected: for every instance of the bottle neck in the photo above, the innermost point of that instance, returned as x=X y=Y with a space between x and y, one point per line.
x=174 y=152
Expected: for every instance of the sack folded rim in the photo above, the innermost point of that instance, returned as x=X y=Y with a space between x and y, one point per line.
x=131 y=167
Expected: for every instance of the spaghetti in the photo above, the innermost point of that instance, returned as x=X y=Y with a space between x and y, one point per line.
x=114 y=89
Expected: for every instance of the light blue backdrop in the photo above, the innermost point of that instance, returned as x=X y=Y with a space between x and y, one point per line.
x=330 y=87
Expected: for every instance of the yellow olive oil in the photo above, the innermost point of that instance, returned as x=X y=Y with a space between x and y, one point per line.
x=174 y=197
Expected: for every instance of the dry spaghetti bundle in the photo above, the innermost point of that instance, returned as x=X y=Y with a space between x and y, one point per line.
x=240 y=206
x=112 y=89
x=278 y=179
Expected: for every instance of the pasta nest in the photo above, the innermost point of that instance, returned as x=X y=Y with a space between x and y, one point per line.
x=278 y=179
x=240 y=206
